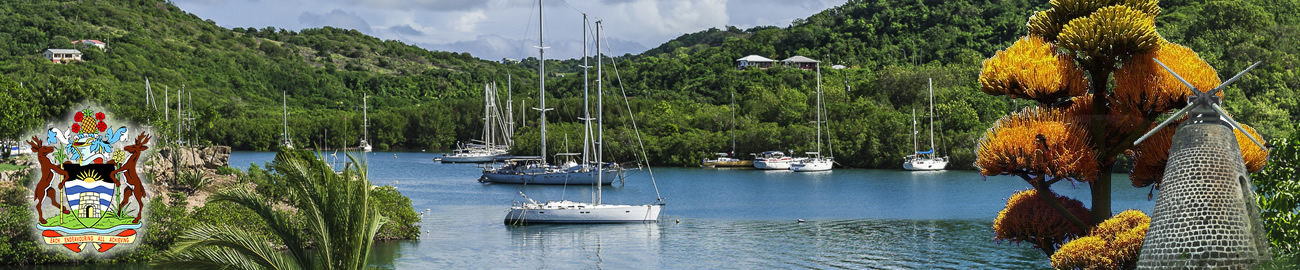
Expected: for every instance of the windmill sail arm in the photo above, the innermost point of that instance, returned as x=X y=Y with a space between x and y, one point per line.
x=1236 y=125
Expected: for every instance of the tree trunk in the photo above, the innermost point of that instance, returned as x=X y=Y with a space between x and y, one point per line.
x=1100 y=188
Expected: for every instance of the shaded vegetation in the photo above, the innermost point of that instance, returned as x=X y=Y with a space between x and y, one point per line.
x=1279 y=196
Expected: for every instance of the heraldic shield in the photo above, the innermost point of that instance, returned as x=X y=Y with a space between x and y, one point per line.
x=91 y=183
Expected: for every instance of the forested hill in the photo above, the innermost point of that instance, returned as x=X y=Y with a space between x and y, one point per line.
x=892 y=47
x=236 y=76
x=681 y=89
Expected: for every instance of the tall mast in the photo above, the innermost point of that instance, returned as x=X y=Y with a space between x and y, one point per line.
x=819 y=109
x=915 y=146
x=541 y=76
x=365 y=118
x=600 y=124
x=284 y=103
x=586 y=103
x=733 y=124
x=179 y=136
x=167 y=104
x=499 y=123
x=189 y=116
x=510 y=112
x=932 y=153
x=487 y=115
x=148 y=90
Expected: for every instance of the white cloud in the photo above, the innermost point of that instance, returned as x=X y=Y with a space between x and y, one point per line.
x=436 y=5
x=493 y=29
x=469 y=21
x=203 y=2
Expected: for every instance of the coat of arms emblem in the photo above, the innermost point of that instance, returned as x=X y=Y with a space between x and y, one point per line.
x=90 y=182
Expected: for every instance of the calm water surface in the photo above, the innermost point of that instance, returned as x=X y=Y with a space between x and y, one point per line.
x=729 y=218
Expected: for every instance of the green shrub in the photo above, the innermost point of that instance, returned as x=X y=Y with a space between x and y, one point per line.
x=1278 y=191
x=191 y=181
x=165 y=220
x=18 y=245
x=226 y=213
x=14 y=195
x=269 y=184
x=227 y=170
x=403 y=220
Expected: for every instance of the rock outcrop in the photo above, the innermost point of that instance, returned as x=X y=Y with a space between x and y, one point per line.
x=15 y=175
x=210 y=158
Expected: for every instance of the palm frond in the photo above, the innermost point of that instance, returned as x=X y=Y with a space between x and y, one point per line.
x=335 y=213
x=278 y=222
x=228 y=248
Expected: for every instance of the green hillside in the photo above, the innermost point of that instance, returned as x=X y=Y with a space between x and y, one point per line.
x=235 y=76
x=680 y=90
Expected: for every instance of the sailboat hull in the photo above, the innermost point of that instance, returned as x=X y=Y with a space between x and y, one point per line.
x=812 y=165
x=925 y=165
x=727 y=163
x=583 y=213
x=553 y=178
x=773 y=164
x=468 y=159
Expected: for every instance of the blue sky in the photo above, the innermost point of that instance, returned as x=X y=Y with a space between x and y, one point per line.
x=496 y=29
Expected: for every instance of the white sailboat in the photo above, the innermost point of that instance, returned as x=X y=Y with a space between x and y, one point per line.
x=815 y=161
x=364 y=146
x=487 y=149
x=925 y=160
x=284 y=137
x=531 y=212
x=537 y=170
x=772 y=160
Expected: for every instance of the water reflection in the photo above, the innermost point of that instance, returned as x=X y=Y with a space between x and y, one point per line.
x=904 y=244
x=618 y=246
x=383 y=254
x=730 y=219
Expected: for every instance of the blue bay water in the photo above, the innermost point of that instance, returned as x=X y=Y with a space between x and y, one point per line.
x=729 y=218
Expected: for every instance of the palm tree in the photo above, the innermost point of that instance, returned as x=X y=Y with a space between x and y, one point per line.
x=336 y=216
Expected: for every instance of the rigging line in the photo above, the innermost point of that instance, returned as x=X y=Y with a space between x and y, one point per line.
x=566 y=3
x=631 y=116
x=528 y=30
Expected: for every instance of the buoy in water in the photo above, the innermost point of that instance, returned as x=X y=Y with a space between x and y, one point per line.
x=679 y=221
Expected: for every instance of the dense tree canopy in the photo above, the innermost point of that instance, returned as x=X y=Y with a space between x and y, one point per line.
x=680 y=90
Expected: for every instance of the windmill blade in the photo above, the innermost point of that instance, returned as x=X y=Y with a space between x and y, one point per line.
x=1180 y=78
x=1162 y=125
x=1236 y=125
x=1234 y=78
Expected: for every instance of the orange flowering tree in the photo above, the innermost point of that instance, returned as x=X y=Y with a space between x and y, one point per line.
x=1084 y=120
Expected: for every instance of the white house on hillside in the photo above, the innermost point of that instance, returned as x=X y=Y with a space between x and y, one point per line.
x=801 y=62
x=92 y=42
x=754 y=61
x=62 y=55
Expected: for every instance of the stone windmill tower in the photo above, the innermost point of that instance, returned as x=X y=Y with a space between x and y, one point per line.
x=1206 y=215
